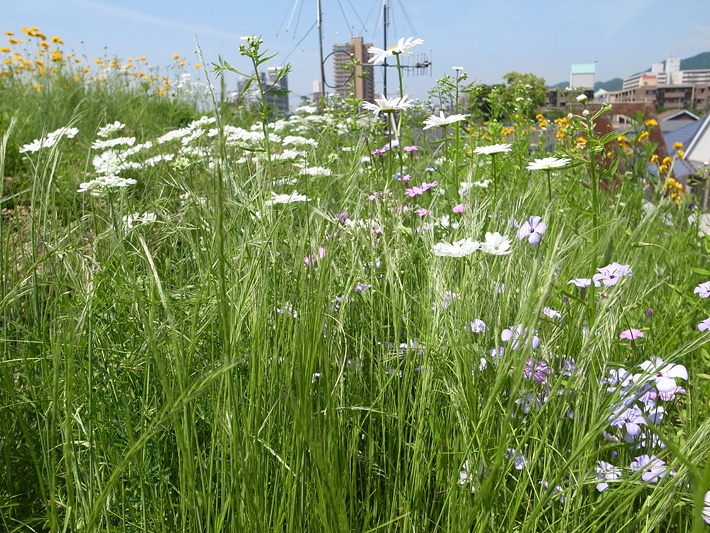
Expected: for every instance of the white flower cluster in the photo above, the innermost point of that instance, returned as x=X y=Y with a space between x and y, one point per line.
x=110 y=143
x=495 y=244
x=286 y=198
x=109 y=129
x=50 y=140
x=99 y=185
x=136 y=219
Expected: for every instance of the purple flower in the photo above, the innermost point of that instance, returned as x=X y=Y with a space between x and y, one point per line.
x=703 y=290
x=513 y=333
x=430 y=169
x=414 y=191
x=536 y=370
x=631 y=419
x=532 y=230
x=422 y=212
x=582 y=283
x=631 y=334
x=652 y=467
x=477 y=326
x=426 y=186
x=610 y=274
x=704 y=325
x=342 y=217
x=411 y=148
x=649 y=313
x=606 y=472
x=548 y=311
x=664 y=374
x=519 y=461
x=458 y=209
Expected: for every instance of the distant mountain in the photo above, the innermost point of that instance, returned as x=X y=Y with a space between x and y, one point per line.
x=689 y=63
x=698 y=61
x=614 y=84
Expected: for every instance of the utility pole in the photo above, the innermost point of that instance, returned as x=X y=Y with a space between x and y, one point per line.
x=319 y=20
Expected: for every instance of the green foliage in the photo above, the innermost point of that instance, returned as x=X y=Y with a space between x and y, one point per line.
x=194 y=373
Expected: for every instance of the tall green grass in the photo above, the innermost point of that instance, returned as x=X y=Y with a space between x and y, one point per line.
x=194 y=374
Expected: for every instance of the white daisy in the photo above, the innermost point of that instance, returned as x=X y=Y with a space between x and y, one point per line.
x=401 y=48
x=457 y=249
x=546 y=163
x=492 y=149
x=442 y=121
x=388 y=105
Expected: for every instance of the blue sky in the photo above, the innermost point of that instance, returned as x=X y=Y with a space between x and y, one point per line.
x=487 y=38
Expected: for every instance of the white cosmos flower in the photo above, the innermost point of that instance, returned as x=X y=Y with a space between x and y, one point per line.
x=547 y=163
x=401 y=48
x=457 y=249
x=492 y=149
x=496 y=244
x=388 y=105
x=442 y=121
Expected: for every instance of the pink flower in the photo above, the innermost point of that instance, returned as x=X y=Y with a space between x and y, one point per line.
x=631 y=334
x=458 y=209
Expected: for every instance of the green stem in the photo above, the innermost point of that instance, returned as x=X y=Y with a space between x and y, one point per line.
x=495 y=174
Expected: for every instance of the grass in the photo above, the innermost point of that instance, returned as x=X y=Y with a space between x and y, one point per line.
x=195 y=374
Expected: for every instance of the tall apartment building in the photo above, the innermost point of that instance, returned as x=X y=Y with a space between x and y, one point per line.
x=268 y=79
x=359 y=79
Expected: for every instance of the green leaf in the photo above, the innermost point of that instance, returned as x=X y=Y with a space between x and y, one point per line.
x=580 y=209
x=700 y=271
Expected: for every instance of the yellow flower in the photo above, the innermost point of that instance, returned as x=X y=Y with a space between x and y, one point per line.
x=680 y=154
x=182 y=63
x=539 y=116
x=9 y=33
x=621 y=139
x=176 y=56
x=197 y=65
x=141 y=58
x=98 y=61
x=667 y=161
x=671 y=182
x=85 y=70
x=57 y=40
x=581 y=140
x=650 y=123
x=644 y=135
x=654 y=159
x=677 y=145
x=4 y=49
x=129 y=59
x=662 y=168
x=43 y=44
x=14 y=41
x=608 y=154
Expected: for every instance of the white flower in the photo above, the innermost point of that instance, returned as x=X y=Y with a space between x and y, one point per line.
x=108 y=129
x=98 y=185
x=457 y=68
x=466 y=476
x=606 y=472
x=110 y=143
x=547 y=163
x=286 y=198
x=706 y=509
x=442 y=121
x=50 y=140
x=401 y=48
x=582 y=98
x=387 y=105
x=496 y=244
x=457 y=249
x=492 y=149
x=136 y=218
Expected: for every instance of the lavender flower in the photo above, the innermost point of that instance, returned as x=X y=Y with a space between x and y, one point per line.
x=536 y=370
x=532 y=230
x=652 y=467
x=606 y=472
x=513 y=333
x=631 y=334
x=610 y=274
x=477 y=326
x=703 y=290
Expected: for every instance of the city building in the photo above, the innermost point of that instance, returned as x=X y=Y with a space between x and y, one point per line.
x=352 y=74
x=276 y=99
x=582 y=76
x=669 y=73
x=556 y=98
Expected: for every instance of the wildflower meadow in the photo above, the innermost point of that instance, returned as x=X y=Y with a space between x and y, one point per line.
x=390 y=316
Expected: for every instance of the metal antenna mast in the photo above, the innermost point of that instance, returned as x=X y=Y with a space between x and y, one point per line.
x=385 y=25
